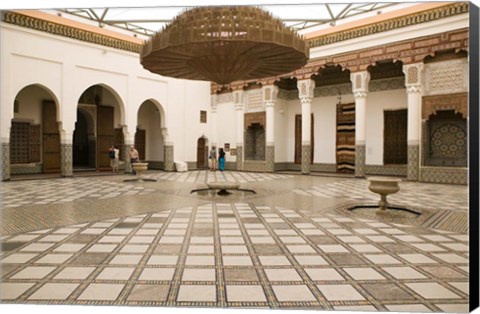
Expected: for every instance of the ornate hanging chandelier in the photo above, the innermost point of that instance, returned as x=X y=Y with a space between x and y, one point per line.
x=224 y=44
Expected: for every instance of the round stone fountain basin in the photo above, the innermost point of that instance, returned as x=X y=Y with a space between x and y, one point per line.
x=383 y=186
x=140 y=167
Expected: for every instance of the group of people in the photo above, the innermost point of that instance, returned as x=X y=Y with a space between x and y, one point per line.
x=114 y=154
x=213 y=159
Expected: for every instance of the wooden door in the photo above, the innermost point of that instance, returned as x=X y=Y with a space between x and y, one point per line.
x=201 y=153
x=105 y=136
x=140 y=143
x=395 y=137
x=345 y=144
x=298 y=138
x=51 y=138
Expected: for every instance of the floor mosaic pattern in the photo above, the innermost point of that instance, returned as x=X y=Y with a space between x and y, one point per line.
x=208 y=176
x=54 y=191
x=102 y=241
x=411 y=194
x=239 y=255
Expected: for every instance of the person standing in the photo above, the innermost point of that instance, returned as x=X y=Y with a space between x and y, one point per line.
x=111 y=155
x=116 y=159
x=221 y=159
x=213 y=159
x=133 y=155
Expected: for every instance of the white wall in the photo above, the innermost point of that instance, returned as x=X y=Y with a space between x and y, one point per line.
x=30 y=104
x=226 y=127
x=68 y=67
x=377 y=102
x=281 y=122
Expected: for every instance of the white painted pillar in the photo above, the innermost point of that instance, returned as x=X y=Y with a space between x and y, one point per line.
x=360 y=81
x=239 y=98
x=269 y=100
x=213 y=118
x=414 y=100
x=305 y=92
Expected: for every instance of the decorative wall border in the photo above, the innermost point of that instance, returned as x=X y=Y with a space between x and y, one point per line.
x=389 y=170
x=68 y=31
x=396 y=23
x=26 y=168
x=444 y=175
x=408 y=51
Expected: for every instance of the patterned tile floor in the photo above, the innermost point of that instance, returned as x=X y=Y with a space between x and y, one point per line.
x=260 y=253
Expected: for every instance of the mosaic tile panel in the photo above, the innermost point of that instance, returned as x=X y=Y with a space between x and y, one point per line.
x=167 y=259
x=5 y=161
x=254 y=165
x=306 y=158
x=26 y=169
x=413 y=162
x=390 y=170
x=444 y=175
x=169 y=162
x=270 y=158
x=360 y=158
x=66 y=160
x=323 y=167
x=127 y=164
x=239 y=156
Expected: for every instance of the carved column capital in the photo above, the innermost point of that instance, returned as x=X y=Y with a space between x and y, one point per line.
x=306 y=88
x=306 y=100
x=360 y=81
x=413 y=77
x=417 y=88
x=269 y=93
x=360 y=94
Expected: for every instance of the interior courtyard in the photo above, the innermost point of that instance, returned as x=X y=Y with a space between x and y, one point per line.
x=383 y=95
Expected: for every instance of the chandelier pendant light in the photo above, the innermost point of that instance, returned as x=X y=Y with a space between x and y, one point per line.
x=224 y=44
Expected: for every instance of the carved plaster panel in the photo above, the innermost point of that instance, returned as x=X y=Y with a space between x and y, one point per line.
x=387 y=84
x=224 y=98
x=446 y=77
x=254 y=101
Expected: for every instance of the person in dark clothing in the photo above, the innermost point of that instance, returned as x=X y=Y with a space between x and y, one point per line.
x=221 y=159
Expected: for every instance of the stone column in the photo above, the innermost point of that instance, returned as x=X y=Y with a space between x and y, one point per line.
x=66 y=154
x=360 y=82
x=5 y=159
x=128 y=141
x=414 y=99
x=168 y=153
x=239 y=108
x=270 y=99
x=305 y=92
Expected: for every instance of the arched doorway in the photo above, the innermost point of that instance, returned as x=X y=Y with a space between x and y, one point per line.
x=84 y=141
x=202 y=153
x=148 y=136
x=98 y=112
x=34 y=133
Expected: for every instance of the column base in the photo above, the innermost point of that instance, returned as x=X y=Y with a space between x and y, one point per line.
x=66 y=155
x=239 y=162
x=270 y=158
x=413 y=162
x=168 y=160
x=306 y=158
x=5 y=161
x=360 y=160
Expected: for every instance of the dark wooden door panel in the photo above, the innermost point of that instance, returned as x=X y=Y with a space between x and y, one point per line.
x=345 y=144
x=201 y=153
x=298 y=138
x=105 y=136
x=140 y=143
x=51 y=138
x=118 y=142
